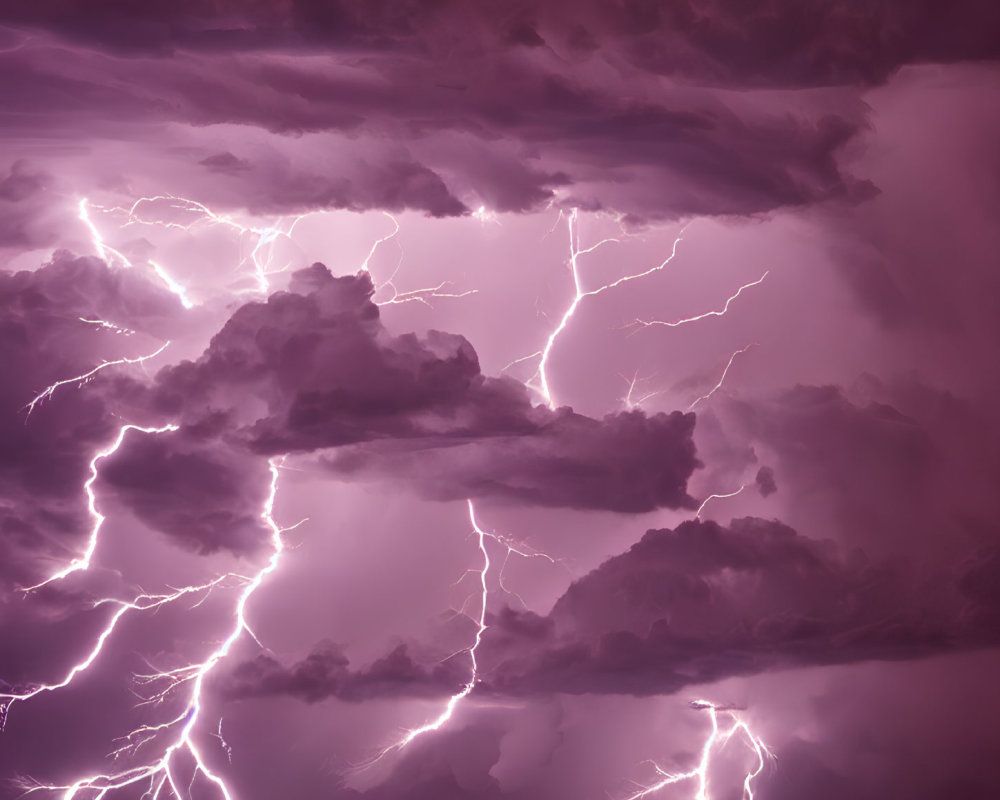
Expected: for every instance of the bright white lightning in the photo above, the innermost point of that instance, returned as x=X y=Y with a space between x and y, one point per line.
x=81 y=379
x=161 y=773
x=423 y=295
x=104 y=250
x=717 y=738
x=722 y=379
x=704 y=503
x=715 y=313
x=541 y=374
x=103 y=323
x=97 y=518
x=455 y=699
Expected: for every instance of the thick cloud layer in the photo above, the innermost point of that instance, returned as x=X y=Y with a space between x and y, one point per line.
x=820 y=556
x=704 y=602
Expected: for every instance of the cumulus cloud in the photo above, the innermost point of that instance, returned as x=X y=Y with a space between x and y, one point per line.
x=47 y=452
x=314 y=370
x=703 y=602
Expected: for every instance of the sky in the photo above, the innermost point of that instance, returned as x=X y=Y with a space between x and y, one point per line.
x=493 y=400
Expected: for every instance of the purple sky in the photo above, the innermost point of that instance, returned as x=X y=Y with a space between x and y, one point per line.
x=571 y=268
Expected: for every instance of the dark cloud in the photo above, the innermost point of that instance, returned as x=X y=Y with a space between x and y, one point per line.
x=765 y=482
x=23 y=203
x=313 y=369
x=779 y=44
x=204 y=495
x=402 y=129
x=42 y=340
x=325 y=673
x=225 y=162
x=704 y=602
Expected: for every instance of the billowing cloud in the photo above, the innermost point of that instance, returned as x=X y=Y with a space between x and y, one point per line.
x=704 y=602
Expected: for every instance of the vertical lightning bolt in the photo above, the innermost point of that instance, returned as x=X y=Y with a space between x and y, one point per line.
x=455 y=699
x=162 y=773
x=539 y=381
x=717 y=738
x=97 y=518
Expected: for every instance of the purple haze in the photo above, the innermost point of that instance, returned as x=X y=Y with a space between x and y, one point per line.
x=360 y=227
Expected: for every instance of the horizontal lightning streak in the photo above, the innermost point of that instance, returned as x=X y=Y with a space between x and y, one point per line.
x=715 y=313
x=79 y=379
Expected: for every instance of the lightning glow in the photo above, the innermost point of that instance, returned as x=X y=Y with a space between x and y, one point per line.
x=109 y=254
x=396 y=297
x=539 y=382
x=717 y=739
x=79 y=380
x=715 y=313
x=103 y=323
x=97 y=518
x=162 y=772
x=705 y=502
x=455 y=699
x=722 y=379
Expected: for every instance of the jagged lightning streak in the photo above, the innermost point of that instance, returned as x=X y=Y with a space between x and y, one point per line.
x=423 y=295
x=540 y=380
x=142 y=602
x=162 y=772
x=81 y=379
x=455 y=699
x=714 y=313
x=106 y=252
x=82 y=562
x=717 y=738
x=722 y=379
x=103 y=323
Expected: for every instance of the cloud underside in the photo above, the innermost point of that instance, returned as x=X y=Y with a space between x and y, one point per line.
x=441 y=108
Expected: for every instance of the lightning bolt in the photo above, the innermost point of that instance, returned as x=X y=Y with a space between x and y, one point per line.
x=108 y=254
x=397 y=297
x=722 y=379
x=79 y=380
x=539 y=381
x=103 y=323
x=717 y=497
x=97 y=518
x=715 y=313
x=455 y=699
x=161 y=772
x=717 y=738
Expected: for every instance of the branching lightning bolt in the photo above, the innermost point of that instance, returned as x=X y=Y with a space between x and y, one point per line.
x=81 y=379
x=455 y=699
x=162 y=773
x=715 y=313
x=717 y=738
x=97 y=519
x=108 y=254
x=539 y=382
x=424 y=295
